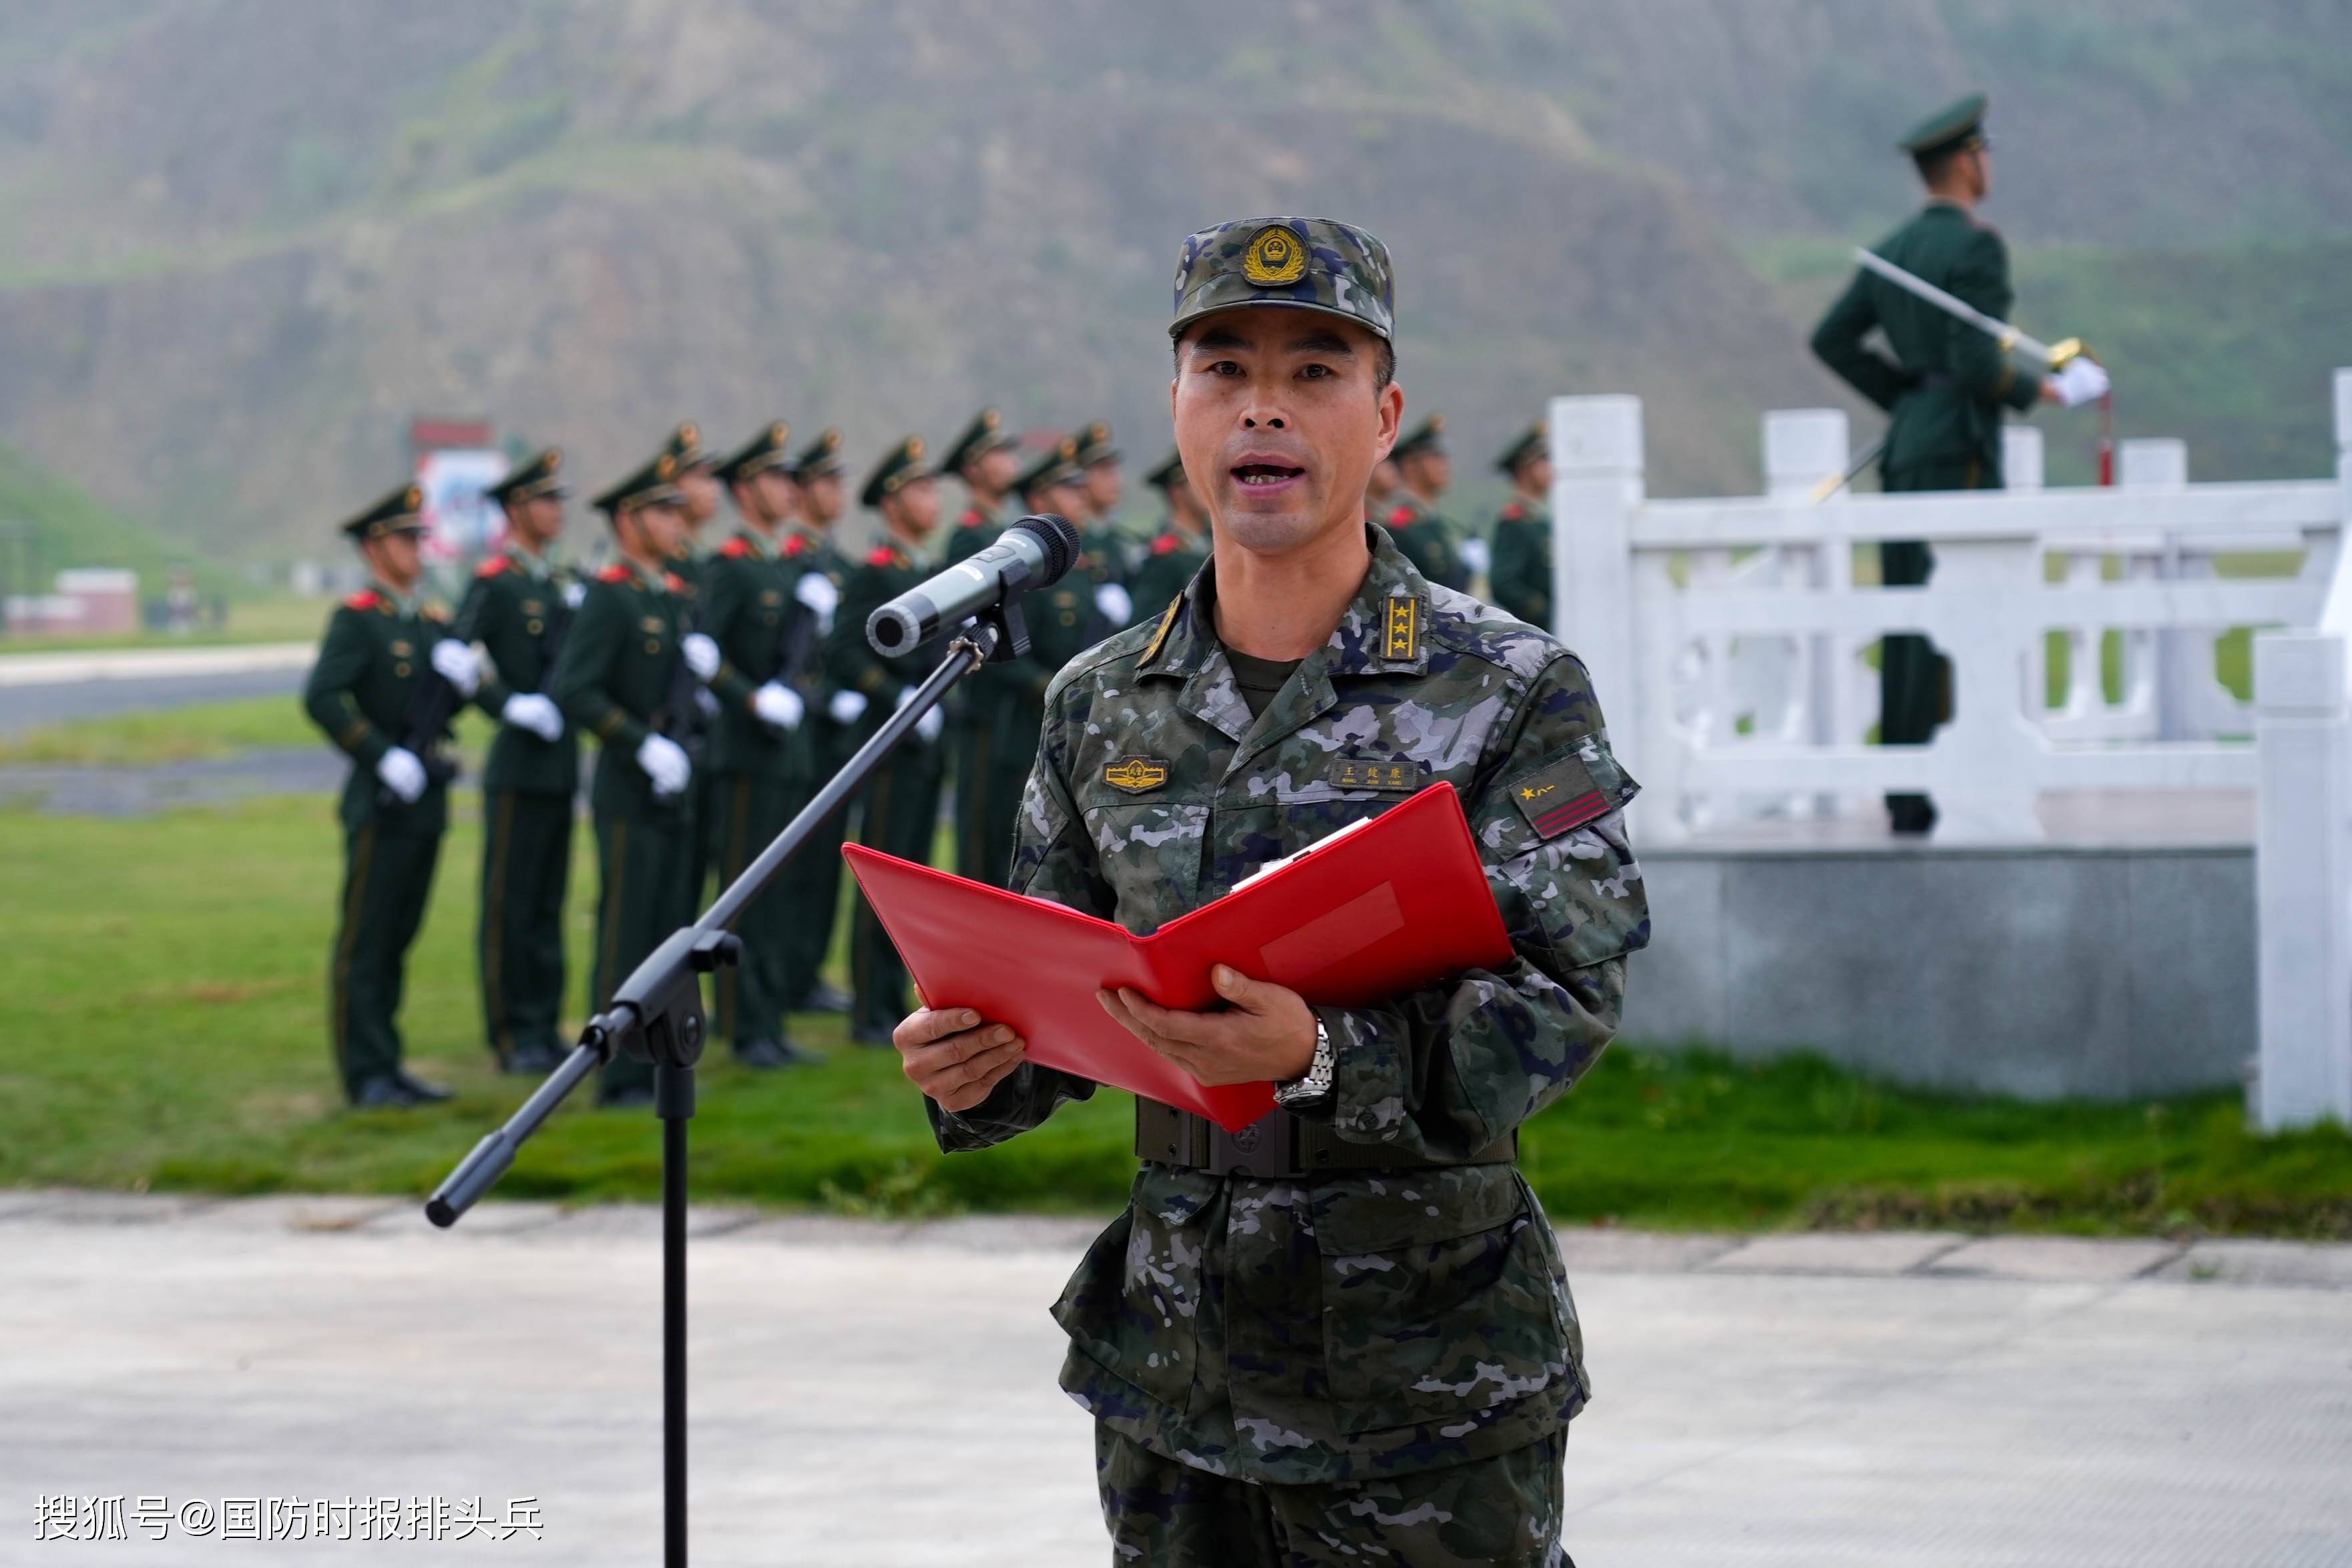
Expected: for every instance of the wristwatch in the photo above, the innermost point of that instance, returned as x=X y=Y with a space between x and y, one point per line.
x=1317 y=1082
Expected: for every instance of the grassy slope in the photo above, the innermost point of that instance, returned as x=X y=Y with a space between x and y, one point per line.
x=173 y=974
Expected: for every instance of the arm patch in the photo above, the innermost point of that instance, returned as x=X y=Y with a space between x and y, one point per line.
x=1572 y=788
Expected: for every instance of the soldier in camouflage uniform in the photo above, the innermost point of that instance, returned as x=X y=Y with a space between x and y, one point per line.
x=381 y=646
x=619 y=680
x=1006 y=699
x=1180 y=547
x=810 y=883
x=899 y=808
x=1346 y=1336
x=760 y=765
x=1521 y=580
x=1426 y=536
x=1104 y=551
x=519 y=609
x=1945 y=389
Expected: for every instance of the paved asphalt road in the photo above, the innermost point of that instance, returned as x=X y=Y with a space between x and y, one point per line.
x=872 y=1395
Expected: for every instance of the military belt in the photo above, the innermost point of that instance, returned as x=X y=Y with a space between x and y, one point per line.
x=1280 y=1144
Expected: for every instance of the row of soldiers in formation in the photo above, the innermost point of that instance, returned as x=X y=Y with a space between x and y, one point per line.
x=725 y=686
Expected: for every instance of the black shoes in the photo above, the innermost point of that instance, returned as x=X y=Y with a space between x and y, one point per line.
x=824 y=998
x=764 y=1054
x=420 y=1093
x=397 y=1093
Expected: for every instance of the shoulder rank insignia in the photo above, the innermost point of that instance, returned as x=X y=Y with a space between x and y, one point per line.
x=492 y=566
x=1401 y=517
x=1166 y=544
x=883 y=556
x=615 y=572
x=736 y=548
x=366 y=599
x=1401 y=637
x=1136 y=774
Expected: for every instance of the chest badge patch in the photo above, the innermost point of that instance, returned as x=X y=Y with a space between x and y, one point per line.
x=1136 y=775
x=1374 y=773
x=400 y=648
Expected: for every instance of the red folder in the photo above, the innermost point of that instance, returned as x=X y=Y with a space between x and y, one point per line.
x=1389 y=905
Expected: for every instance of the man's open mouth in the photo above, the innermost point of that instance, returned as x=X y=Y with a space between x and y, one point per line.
x=1250 y=474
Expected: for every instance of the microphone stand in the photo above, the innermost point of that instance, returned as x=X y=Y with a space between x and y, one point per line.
x=656 y=1014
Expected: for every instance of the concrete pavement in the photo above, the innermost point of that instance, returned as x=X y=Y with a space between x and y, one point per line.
x=49 y=688
x=878 y=1394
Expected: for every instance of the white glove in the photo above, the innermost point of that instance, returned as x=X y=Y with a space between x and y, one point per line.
x=574 y=593
x=707 y=705
x=816 y=590
x=927 y=727
x=1474 y=557
x=459 y=665
x=665 y=763
x=702 y=655
x=846 y=708
x=401 y=774
x=1113 y=601
x=2080 y=381
x=536 y=714
x=780 y=706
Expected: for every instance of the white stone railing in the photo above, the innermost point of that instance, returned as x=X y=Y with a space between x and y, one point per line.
x=1728 y=640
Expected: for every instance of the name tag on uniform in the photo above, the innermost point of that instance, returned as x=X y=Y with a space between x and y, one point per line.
x=653 y=623
x=1376 y=773
x=769 y=596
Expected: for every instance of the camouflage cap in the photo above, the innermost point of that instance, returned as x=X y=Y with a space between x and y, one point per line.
x=1530 y=442
x=1169 y=471
x=1305 y=264
x=1058 y=464
x=1429 y=435
x=1953 y=127
x=764 y=451
x=685 y=446
x=397 y=513
x=819 y=457
x=655 y=485
x=530 y=480
x=1093 y=444
x=900 y=466
x=985 y=433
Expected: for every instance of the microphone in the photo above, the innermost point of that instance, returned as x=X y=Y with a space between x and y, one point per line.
x=1033 y=553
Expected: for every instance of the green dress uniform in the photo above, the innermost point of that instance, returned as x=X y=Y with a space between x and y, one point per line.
x=1105 y=553
x=520 y=608
x=618 y=680
x=362 y=692
x=685 y=450
x=974 y=750
x=1170 y=562
x=1521 y=578
x=760 y=775
x=810 y=883
x=1944 y=391
x=1426 y=536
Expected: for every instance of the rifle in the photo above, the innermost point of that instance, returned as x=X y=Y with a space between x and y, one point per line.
x=432 y=704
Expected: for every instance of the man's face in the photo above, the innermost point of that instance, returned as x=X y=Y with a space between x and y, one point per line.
x=773 y=495
x=913 y=511
x=1385 y=480
x=536 y=521
x=701 y=487
x=1429 y=472
x=823 y=496
x=996 y=469
x=1068 y=498
x=1982 y=159
x=654 y=533
x=1535 y=475
x=1103 y=488
x=396 y=559
x=1279 y=421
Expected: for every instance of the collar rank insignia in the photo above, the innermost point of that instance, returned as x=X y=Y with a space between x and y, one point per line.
x=1401 y=640
x=1136 y=775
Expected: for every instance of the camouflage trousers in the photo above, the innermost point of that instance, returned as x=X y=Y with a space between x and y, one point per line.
x=1503 y=1512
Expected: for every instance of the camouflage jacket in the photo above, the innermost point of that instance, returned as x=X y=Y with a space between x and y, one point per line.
x=1324 y=1328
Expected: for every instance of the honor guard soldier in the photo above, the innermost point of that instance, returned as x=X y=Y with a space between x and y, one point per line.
x=901 y=805
x=377 y=692
x=1426 y=536
x=698 y=484
x=810 y=883
x=1105 y=554
x=1345 y=1335
x=1521 y=579
x=1944 y=389
x=1006 y=700
x=519 y=609
x=622 y=679
x=1180 y=547
x=986 y=458
x=769 y=649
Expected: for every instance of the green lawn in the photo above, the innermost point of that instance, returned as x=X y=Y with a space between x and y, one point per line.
x=272 y=618
x=168 y=976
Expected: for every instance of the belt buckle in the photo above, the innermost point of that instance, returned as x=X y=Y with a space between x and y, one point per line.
x=1263 y=1148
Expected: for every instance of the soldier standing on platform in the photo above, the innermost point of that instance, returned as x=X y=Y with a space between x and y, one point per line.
x=619 y=679
x=1945 y=389
x=1180 y=547
x=901 y=800
x=1106 y=555
x=1006 y=699
x=759 y=763
x=1521 y=580
x=810 y=883
x=381 y=646
x=1425 y=535
x=519 y=609
x=985 y=458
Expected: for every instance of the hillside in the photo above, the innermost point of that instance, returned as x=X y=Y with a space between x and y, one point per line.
x=254 y=236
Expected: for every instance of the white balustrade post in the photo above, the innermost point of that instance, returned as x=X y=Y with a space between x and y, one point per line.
x=2161 y=464
x=2020 y=458
x=2303 y=917
x=1803 y=448
x=1597 y=487
x=2336 y=616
